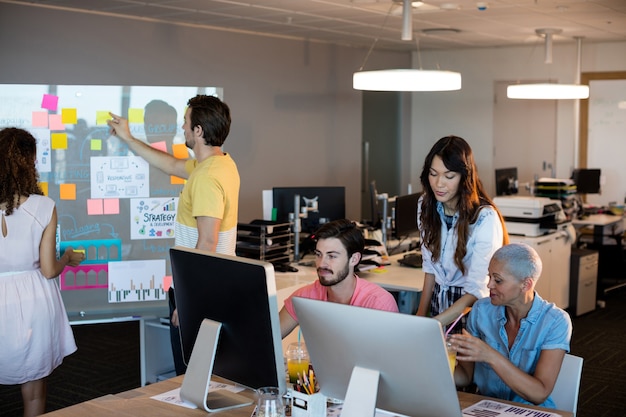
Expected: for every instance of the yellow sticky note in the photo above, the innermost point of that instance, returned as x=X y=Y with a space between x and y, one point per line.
x=68 y=116
x=67 y=191
x=96 y=144
x=44 y=188
x=180 y=151
x=135 y=116
x=58 y=140
x=102 y=116
x=79 y=250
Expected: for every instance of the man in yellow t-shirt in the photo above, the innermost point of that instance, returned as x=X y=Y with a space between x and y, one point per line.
x=207 y=211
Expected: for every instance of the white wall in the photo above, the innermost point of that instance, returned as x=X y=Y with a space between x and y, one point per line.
x=469 y=112
x=296 y=118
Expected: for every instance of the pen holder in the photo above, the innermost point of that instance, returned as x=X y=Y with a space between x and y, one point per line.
x=304 y=405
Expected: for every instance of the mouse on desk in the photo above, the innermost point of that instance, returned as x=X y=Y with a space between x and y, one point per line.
x=285 y=268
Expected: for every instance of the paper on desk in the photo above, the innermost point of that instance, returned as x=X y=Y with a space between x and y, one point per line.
x=489 y=408
x=173 y=396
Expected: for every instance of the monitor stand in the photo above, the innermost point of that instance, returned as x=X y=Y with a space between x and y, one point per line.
x=362 y=391
x=195 y=388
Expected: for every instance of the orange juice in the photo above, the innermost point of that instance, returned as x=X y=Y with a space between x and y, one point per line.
x=295 y=366
x=452 y=360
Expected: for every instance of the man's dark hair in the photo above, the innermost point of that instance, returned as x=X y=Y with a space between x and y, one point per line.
x=213 y=116
x=346 y=231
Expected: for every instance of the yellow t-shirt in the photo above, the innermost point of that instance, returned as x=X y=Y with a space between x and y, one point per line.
x=211 y=190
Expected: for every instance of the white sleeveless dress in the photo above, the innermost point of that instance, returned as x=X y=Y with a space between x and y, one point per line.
x=35 y=334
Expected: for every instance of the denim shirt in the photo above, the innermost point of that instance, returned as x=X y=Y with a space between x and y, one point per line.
x=546 y=327
x=485 y=237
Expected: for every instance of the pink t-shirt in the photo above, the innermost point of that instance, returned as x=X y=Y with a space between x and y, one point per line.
x=366 y=294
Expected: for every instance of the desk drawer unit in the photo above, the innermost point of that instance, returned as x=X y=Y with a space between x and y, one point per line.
x=583 y=280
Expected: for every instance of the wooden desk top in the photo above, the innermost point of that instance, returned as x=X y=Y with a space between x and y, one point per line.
x=394 y=277
x=137 y=403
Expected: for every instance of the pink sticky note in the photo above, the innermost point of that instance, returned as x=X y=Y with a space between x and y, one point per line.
x=55 y=122
x=94 y=206
x=111 y=206
x=167 y=283
x=162 y=146
x=50 y=102
x=40 y=119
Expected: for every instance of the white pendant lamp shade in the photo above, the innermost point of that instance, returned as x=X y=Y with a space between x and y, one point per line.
x=406 y=80
x=548 y=91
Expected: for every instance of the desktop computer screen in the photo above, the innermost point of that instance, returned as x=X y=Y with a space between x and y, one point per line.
x=326 y=204
x=587 y=180
x=407 y=352
x=506 y=181
x=240 y=294
x=405 y=218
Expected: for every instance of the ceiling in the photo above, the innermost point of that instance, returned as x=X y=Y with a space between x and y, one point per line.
x=437 y=24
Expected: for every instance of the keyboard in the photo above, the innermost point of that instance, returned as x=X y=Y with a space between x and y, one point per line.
x=413 y=260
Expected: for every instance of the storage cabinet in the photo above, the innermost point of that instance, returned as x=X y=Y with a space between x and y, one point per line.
x=265 y=240
x=584 y=280
x=555 y=250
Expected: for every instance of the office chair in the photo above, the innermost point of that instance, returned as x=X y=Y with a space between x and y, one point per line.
x=565 y=391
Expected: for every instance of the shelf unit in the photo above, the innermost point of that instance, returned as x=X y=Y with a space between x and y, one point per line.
x=265 y=240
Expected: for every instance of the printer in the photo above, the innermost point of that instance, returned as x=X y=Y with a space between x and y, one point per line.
x=530 y=215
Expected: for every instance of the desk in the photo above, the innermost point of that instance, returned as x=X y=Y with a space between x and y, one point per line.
x=137 y=403
x=604 y=233
x=394 y=277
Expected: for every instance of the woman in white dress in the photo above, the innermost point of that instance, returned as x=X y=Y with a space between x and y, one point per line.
x=35 y=334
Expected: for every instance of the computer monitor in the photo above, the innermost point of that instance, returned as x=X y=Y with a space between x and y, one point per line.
x=324 y=204
x=403 y=369
x=587 y=180
x=235 y=294
x=405 y=217
x=376 y=216
x=506 y=181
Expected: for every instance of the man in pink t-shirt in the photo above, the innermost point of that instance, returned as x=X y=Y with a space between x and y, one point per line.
x=337 y=252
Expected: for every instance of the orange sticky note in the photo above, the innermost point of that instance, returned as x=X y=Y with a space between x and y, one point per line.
x=111 y=206
x=94 y=206
x=58 y=140
x=176 y=180
x=68 y=116
x=67 y=191
x=180 y=151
